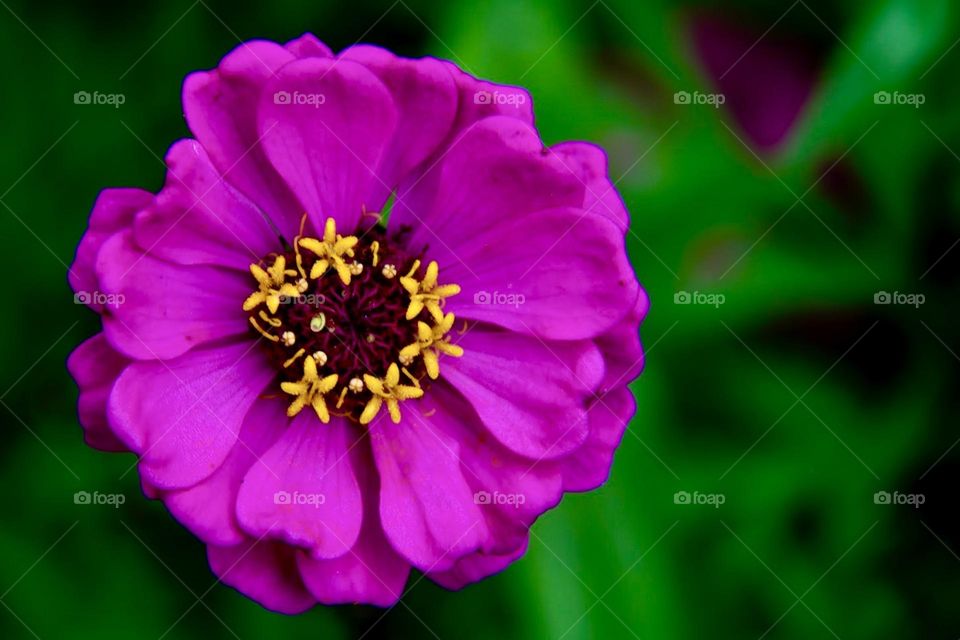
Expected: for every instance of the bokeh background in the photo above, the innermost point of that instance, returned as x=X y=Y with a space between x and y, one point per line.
x=771 y=186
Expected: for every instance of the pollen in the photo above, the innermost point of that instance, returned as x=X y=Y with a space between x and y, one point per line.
x=336 y=308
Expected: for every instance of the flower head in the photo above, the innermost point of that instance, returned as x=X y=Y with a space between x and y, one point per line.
x=301 y=381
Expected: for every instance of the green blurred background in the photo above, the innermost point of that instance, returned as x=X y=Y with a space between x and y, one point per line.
x=792 y=399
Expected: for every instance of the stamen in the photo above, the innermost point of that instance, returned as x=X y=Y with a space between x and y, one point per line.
x=375 y=250
x=273 y=322
x=320 y=357
x=288 y=338
x=356 y=385
x=268 y=336
x=293 y=358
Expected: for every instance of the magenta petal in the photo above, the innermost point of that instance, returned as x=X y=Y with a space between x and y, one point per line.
x=304 y=490
x=197 y=218
x=589 y=466
x=426 y=99
x=621 y=347
x=369 y=573
x=325 y=126
x=308 y=46
x=183 y=416
x=511 y=491
x=208 y=508
x=476 y=566
x=112 y=212
x=559 y=274
x=479 y=99
x=530 y=395
x=166 y=309
x=589 y=163
x=426 y=506
x=95 y=366
x=221 y=110
x=264 y=571
x=496 y=172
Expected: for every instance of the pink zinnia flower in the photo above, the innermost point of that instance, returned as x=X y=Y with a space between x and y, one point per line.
x=328 y=401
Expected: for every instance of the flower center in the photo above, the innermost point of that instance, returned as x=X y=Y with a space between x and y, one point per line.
x=351 y=323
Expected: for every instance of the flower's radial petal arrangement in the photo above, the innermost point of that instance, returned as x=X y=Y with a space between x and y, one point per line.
x=369 y=324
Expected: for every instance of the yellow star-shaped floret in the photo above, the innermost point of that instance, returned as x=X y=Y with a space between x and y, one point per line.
x=387 y=390
x=272 y=285
x=431 y=342
x=331 y=251
x=427 y=293
x=310 y=390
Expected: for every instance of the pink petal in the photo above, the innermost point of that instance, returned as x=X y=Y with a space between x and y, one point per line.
x=208 y=508
x=476 y=567
x=308 y=46
x=112 y=212
x=588 y=467
x=589 y=163
x=510 y=491
x=560 y=274
x=166 y=309
x=325 y=126
x=95 y=366
x=220 y=107
x=530 y=395
x=183 y=416
x=369 y=573
x=496 y=172
x=426 y=506
x=304 y=490
x=426 y=99
x=265 y=571
x=197 y=218
x=479 y=99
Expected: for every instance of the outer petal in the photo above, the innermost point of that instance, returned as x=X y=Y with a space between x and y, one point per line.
x=426 y=99
x=112 y=212
x=369 y=573
x=95 y=366
x=476 y=566
x=264 y=571
x=530 y=395
x=482 y=99
x=308 y=46
x=426 y=506
x=325 y=126
x=497 y=171
x=561 y=274
x=589 y=163
x=197 y=218
x=167 y=309
x=220 y=107
x=183 y=416
x=208 y=508
x=304 y=489
x=510 y=491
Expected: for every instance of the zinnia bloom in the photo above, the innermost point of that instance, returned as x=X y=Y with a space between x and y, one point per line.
x=328 y=395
